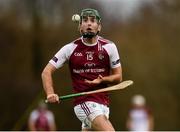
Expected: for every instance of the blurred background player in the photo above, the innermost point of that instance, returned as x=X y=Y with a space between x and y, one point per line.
x=140 y=117
x=41 y=119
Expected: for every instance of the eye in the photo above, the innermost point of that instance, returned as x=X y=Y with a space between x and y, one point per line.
x=85 y=19
x=93 y=19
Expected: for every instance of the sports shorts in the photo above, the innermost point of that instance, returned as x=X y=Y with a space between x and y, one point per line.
x=88 y=111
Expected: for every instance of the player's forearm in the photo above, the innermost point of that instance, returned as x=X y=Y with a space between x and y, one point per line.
x=115 y=78
x=47 y=82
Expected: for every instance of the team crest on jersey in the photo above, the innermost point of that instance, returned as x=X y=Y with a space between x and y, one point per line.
x=101 y=56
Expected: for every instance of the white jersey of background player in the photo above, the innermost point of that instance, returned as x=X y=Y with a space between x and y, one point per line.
x=140 y=117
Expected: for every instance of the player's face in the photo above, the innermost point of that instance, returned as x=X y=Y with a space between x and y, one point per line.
x=89 y=24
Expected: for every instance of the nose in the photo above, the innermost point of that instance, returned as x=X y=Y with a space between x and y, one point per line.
x=89 y=22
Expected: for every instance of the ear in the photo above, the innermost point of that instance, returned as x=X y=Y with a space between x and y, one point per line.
x=99 y=27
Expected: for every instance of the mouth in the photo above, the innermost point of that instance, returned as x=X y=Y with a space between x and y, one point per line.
x=89 y=29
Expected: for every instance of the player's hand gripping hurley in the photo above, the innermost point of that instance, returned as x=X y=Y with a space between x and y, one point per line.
x=119 y=86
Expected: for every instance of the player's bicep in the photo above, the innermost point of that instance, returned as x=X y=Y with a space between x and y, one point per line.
x=117 y=72
x=50 y=68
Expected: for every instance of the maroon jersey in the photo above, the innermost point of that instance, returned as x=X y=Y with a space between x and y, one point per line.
x=42 y=119
x=87 y=61
x=42 y=123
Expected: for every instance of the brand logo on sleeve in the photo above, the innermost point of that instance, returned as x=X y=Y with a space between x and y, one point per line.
x=55 y=59
x=116 y=62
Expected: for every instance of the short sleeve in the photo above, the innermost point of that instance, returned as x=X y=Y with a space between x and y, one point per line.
x=62 y=55
x=50 y=117
x=113 y=55
x=33 y=116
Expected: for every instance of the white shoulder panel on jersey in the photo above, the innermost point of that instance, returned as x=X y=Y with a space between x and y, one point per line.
x=50 y=116
x=34 y=115
x=63 y=55
x=113 y=54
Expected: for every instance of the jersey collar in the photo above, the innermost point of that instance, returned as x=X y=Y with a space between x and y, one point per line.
x=87 y=44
